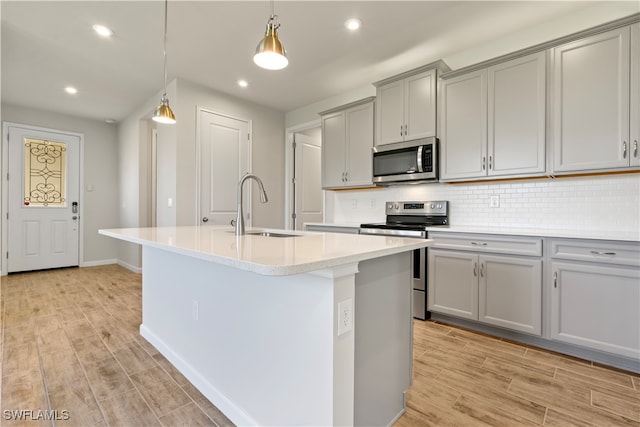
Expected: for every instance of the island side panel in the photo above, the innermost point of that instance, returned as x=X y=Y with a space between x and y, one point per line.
x=259 y=347
x=383 y=342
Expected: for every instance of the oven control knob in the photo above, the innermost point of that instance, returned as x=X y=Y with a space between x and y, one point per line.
x=390 y=206
x=397 y=206
x=432 y=206
x=439 y=206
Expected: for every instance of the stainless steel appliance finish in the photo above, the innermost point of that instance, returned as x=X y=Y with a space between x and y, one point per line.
x=411 y=219
x=411 y=161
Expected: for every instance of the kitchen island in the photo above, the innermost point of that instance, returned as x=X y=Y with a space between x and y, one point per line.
x=306 y=329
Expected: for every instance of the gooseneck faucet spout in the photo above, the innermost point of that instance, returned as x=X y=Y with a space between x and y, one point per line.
x=263 y=199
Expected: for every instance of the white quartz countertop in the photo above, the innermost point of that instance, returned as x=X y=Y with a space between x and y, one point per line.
x=335 y=224
x=544 y=232
x=274 y=256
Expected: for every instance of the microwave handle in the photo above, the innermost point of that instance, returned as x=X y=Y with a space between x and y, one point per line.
x=419 y=159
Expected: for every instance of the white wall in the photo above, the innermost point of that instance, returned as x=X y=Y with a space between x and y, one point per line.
x=267 y=156
x=100 y=208
x=610 y=203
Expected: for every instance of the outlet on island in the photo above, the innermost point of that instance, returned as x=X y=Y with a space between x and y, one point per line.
x=345 y=316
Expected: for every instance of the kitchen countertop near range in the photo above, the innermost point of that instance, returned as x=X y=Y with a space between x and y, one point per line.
x=543 y=232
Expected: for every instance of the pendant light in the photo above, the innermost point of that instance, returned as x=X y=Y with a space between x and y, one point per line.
x=270 y=53
x=163 y=113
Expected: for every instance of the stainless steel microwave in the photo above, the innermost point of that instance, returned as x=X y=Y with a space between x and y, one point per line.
x=406 y=162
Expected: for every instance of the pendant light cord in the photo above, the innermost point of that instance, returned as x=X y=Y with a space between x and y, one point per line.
x=164 y=46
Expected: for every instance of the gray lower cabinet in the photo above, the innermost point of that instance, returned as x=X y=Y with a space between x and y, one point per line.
x=469 y=277
x=595 y=295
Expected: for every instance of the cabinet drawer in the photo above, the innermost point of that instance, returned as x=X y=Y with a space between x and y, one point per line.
x=597 y=251
x=487 y=243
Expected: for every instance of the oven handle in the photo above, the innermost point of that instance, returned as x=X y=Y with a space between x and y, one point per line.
x=419 y=159
x=398 y=233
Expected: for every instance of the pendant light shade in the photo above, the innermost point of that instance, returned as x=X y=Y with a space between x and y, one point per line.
x=270 y=53
x=163 y=113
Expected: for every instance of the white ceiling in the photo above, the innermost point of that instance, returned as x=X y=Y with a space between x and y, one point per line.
x=47 y=45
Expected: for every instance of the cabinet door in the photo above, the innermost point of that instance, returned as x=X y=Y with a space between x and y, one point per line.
x=390 y=113
x=359 y=145
x=591 y=103
x=634 y=139
x=464 y=126
x=510 y=293
x=453 y=283
x=420 y=105
x=596 y=307
x=516 y=116
x=333 y=150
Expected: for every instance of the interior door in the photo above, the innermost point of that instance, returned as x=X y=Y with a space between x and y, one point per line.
x=224 y=159
x=44 y=188
x=307 y=181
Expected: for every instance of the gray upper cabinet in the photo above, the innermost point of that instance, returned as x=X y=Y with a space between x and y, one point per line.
x=406 y=105
x=347 y=141
x=591 y=102
x=493 y=120
x=463 y=132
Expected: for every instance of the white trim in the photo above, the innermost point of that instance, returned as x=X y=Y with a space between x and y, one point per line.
x=226 y=406
x=99 y=263
x=288 y=169
x=4 y=243
x=129 y=267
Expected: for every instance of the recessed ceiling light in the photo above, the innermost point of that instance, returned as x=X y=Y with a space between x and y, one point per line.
x=243 y=83
x=102 y=30
x=110 y=121
x=353 y=24
x=71 y=90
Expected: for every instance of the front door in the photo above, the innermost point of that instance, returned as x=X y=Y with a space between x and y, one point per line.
x=224 y=159
x=43 y=199
x=307 y=180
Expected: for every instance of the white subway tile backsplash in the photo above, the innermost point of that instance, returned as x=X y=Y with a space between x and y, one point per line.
x=583 y=203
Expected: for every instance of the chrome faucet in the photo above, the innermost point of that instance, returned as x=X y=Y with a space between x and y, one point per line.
x=263 y=199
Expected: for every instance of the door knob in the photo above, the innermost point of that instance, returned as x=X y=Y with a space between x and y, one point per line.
x=205 y=219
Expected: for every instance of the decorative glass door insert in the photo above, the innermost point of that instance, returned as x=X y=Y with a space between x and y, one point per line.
x=45 y=173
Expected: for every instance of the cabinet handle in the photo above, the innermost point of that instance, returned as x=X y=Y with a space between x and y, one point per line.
x=484 y=162
x=602 y=253
x=490 y=162
x=346 y=176
x=624 y=149
x=401 y=130
x=555 y=279
x=479 y=243
x=482 y=270
x=475 y=269
x=635 y=148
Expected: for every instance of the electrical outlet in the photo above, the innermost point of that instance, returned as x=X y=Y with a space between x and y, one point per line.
x=345 y=316
x=494 y=201
x=169 y=202
x=195 y=310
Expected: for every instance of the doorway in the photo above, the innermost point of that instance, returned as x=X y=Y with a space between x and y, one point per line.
x=224 y=150
x=42 y=198
x=305 y=202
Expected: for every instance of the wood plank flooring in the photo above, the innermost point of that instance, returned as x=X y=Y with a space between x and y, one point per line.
x=70 y=350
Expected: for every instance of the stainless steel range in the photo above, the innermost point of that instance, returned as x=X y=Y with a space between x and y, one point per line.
x=411 y=219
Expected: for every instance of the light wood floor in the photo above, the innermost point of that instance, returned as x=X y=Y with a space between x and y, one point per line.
x=70 y=342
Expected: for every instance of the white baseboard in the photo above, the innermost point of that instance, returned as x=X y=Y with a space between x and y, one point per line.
x=130 y=267
x=98 y=263
x=228 y=408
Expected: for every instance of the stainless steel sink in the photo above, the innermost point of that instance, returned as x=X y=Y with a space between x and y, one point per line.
x=271 y=234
